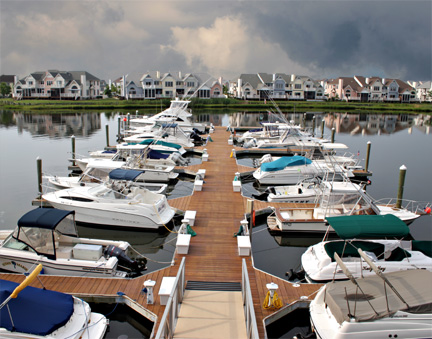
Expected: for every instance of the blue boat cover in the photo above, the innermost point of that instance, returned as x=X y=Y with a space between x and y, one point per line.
x=124 y=174
x=281 y=163
x=171 y=124
x=159 y=142
x=154 y=154
x=47 y=218
x=34 y=311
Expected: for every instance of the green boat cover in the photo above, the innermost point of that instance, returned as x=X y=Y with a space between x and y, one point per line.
x=368 y=226
x=159 y=142
x=424 y=246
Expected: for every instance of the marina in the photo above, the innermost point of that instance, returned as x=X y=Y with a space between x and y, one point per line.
x=215 y=260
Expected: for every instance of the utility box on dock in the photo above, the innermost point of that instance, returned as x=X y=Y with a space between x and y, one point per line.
x=236 y=185
x=244 y=245
x=87 y=252
x=166 y=288
x=182 y=245
x=190 y=216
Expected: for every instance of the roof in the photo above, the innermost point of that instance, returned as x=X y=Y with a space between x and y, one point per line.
x=412 y=285
x=281 y=163
x=368 y=226
x=47 y=218
x=35 y=311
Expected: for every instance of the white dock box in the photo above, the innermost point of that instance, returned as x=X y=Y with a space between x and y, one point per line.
x=190 y=216
x=167 y=286
x=244 y=245
x=182 y=245
x=236 y=185
x=87 y=252
x=198 y=184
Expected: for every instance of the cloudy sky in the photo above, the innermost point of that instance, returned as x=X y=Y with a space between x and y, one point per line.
x=321 y=39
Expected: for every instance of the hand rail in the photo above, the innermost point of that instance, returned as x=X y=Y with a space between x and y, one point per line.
x=169 y=318
x=251 y=324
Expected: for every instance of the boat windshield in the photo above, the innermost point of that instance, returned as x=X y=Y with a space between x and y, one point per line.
x=15 y=244
x=40 y=239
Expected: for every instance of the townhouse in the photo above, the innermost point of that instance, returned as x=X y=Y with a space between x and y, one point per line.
x=423 y=90
x=157 y=85
x=261 y=86
x=374 y=89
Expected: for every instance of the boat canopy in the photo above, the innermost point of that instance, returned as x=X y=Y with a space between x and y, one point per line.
x=159 y=142
x=124 y=174
x=281 y=163
x=169 y=125
x=47 y=218
x=368 y=226
x=155 y=154
x=34 y=311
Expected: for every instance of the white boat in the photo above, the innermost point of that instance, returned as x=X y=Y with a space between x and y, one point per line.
x=167 y=156
x=30 y=312
x=178 y=112
x=387 y=305
x=379 y=237
x=107 y=205
x=291 y=170
x=49 y=236
x=346 y=200
x=96 y=175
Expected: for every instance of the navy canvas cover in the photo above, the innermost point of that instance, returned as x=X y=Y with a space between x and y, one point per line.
x=34 y=311
x=43 y=218
x=124 y=174
x=154 y=154
x=281 y=163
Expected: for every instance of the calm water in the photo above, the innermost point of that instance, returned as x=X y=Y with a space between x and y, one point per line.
x=396 y=140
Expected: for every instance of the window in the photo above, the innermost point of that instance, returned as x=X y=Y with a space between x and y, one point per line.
x=30 y=83
x=148 y=83
x=157 y=83
x=42 y=82
x=393 y=89
x=376 y=88
x=279 y=86
x=297 y=86
x=190 y=84
x=168 y=84
x=179 y=83
x=49 y=82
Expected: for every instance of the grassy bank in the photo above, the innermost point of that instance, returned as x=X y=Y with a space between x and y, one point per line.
x=215 y=104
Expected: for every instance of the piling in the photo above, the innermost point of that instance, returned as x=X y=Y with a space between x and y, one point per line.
x=73 y=150
x=333 y=135
x=368 y=155
x=128 y=120
x=322 y=128
x=304 y=121
x=118 y=128
x=402 y=172
x=107 y=134
x=250 y=209
x=39 y=175
x=313 y=125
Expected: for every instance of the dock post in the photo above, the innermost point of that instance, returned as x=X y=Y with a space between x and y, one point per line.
x=368 y=155
x=107 y=134
x=322 y=128
x=402 y=172
x=313 y=125
x=73 y=150
x=304 y=121
x=39 y=175
x=118 y=128
x=333 y=135
x=128 y=120
x=250 y=209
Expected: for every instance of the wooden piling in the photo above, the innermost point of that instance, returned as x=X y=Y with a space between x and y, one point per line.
x=73 y=150
x=39 y=175
x=107 y=135
x=313 y=125
x=368 y=155
x=333 y=135
x=322 y=128
x=119 y=128
x=402 y=173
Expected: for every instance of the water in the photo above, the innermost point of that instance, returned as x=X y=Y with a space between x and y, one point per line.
x=396 y=140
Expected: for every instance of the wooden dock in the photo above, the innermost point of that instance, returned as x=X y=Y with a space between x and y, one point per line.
x=213 y=253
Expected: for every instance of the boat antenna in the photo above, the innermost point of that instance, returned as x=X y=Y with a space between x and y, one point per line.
x=352 y=278
x=381 y=275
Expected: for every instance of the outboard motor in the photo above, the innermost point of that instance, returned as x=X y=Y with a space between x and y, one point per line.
x=266 y=158
x=250 y=143
x=196 y=138
x=178 y=159
x=135 y=266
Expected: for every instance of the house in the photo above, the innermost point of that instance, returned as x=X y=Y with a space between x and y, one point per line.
x=423 y=90
x=53 y=84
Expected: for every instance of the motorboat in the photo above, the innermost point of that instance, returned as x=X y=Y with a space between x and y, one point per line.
x=39 y=313
x=125 y=152
x=178 y=112
x=346 y=200
x=309 y=191
x=49 y=236
x=289 y=170
x=380 y=237
x=94 y=176
x=390 y=305
x=110 y=205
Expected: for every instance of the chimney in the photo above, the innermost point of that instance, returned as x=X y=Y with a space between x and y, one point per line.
x=292 y=77
x=180 y=75
x=158 y=75
x=274 y=77
x=367 y=81
x=83 y=86
x=239 y=88
x=383 y=81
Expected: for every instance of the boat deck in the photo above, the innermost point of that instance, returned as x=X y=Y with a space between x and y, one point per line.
x=213 y=253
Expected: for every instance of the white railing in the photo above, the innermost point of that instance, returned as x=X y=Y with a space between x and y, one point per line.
x=169 y=318
x=251 y=324
x=417 y=207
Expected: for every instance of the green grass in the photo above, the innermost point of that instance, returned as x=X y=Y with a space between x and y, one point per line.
x=215 y=104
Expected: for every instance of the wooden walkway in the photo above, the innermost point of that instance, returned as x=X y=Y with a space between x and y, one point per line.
x=213 y=254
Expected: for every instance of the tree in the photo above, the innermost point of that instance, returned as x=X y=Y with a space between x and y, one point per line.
x=429 y=95
x=108 y=92
x=5 y=89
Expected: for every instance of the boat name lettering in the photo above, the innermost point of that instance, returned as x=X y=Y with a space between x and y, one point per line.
x=15 y=264
x=367 y=268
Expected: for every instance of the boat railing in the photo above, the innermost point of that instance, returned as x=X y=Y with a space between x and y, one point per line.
x=169 y=318
x=251 y=324
x=417 y=207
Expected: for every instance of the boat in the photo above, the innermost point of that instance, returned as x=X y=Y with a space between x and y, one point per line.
x=308 y=191
x=178 y=112
x=385 y=305
x=346 y=200
x=31 y=312
x=49 y=236
x=380 y=237
x=109 y=205
x=289 y=170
